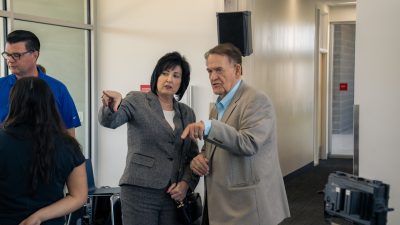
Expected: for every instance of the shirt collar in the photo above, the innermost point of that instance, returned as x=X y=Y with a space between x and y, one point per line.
x=13 y=77
x=40 y=73
x=224 y=102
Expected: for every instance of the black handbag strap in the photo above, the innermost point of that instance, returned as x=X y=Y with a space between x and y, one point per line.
x=182 y=144
x=181 y=151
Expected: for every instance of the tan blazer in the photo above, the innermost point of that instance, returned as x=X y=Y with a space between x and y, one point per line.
x=245 y=185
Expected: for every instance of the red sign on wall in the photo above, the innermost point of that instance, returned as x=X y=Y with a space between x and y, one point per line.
x=343 y=86
x=145 y=88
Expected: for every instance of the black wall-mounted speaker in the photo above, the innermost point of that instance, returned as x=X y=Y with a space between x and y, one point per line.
x=235 y=28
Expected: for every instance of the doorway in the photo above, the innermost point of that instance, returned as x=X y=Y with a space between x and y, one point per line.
x=341 y=138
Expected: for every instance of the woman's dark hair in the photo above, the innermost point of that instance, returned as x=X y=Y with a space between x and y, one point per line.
x=170 y=61
x=32 y=105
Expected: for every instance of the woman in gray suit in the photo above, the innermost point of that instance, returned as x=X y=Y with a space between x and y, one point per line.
x=157 y=171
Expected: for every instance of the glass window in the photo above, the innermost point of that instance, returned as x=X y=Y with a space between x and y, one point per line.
x=70 y=10
x=63 y=53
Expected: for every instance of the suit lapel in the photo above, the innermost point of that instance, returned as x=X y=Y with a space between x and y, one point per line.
x=228 y=112
x=233 y=104
x=155 y=106
x=180 y=119
x=225 y=117
x=213 y=116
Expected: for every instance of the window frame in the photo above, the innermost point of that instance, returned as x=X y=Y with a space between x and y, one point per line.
x=9 y=17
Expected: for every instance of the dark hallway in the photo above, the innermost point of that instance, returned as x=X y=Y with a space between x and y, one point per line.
x=304 y=192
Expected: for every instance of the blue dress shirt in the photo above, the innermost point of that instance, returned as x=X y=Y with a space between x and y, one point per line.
x=222 y=105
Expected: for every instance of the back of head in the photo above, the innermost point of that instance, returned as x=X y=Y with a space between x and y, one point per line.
x=32 y=103
x=32 y=106
x=227 y=49
x=31 y=40
x=170 y=61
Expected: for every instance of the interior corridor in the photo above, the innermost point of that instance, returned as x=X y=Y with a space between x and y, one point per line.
x=304 y=191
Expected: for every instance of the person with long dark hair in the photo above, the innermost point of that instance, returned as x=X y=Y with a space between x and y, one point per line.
x=37 y=159
x=157 y=169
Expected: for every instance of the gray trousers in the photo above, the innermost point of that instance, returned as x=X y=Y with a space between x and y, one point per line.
x=147 y=206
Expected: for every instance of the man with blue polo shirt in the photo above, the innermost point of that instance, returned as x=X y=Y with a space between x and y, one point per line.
x=21 y=53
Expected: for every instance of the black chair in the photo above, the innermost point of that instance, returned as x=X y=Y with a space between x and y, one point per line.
x=103 y=206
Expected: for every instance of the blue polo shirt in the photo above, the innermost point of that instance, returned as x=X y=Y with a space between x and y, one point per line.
x=63 y=99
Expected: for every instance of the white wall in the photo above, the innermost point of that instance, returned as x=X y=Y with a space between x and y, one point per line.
x=131 y=36
x=342 y=13
x=282 y=65
x=377 y=79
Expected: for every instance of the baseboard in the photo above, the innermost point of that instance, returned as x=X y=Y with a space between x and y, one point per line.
x=298 y=172
x=340 y=156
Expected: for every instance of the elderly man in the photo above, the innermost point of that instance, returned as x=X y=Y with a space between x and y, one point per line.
x=239 y=159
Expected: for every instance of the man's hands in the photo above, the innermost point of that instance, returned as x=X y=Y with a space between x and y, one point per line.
x=111 y=99
x=199 y=165
x=194 y=131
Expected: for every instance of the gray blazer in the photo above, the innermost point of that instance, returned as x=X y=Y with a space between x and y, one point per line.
x=154 y=149
x=244 y=185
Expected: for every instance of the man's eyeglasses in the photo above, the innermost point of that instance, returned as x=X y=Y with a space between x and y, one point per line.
x=14 y=56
